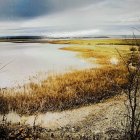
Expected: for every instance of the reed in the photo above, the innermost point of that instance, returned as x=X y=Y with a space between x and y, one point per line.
x=65 y=91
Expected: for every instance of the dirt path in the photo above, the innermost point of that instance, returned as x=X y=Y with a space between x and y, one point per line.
x=97 y=117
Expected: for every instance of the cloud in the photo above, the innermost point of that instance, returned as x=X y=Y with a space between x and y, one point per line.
x=69 y=17
x=20 y=9
x=80 y=33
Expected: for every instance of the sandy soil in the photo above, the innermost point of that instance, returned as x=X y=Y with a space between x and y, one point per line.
x=98 y=117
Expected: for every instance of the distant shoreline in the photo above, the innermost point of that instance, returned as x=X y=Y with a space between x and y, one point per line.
x=36 y=39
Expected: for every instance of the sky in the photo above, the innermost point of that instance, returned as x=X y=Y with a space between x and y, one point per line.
x=69 y=18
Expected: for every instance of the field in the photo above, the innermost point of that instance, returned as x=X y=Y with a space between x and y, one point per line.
x=65 y=91
x=102 y=50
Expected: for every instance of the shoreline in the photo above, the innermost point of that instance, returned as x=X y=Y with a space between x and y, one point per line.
x=81 y=103
x=71 y=89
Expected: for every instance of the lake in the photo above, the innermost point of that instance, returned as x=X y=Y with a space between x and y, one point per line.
x=27 y=60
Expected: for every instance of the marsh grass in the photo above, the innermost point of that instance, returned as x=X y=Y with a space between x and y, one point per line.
x=96 y=42
x=102 y=53
x=65 y=91
x=103 y=49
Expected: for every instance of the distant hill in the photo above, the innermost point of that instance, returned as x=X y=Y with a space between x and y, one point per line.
x=101 y=37
x=36 y=38
x=31 y=38
x=21 y=37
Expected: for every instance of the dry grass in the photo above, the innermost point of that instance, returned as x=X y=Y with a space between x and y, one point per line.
x=103 y=49
x=65 y=91
x=102 y=53
x=97 y=42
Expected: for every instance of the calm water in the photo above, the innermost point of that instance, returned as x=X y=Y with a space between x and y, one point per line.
x=28 y=59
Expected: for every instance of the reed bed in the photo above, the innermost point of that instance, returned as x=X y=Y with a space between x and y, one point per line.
x=65 y=91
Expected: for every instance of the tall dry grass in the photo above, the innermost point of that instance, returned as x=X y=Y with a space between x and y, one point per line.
x=102 y=53
x=65 y=91
x=109 y=41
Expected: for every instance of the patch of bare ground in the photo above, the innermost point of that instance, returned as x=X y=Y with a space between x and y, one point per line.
x=102 y=120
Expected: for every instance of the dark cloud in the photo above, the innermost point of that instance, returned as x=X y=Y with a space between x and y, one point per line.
x=31 y=8
x=11 y=9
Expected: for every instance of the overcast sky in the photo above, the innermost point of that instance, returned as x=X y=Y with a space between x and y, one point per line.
x=58 y=18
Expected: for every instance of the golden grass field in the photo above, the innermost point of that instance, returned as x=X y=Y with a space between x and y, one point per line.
x=102 y=53
x=97 y=41
x=65 y=91
x=102 y=50
x=72 y=89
